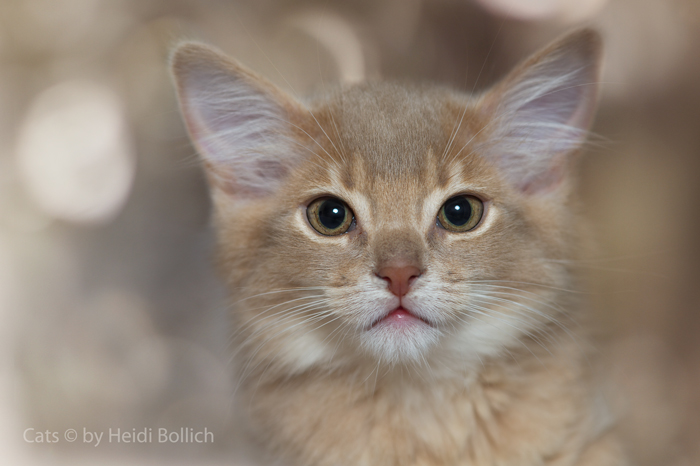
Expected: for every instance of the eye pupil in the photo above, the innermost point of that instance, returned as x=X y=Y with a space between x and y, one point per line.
x=458 y=211
x=331 y=214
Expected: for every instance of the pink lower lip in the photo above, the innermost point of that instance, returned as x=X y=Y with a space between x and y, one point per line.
x=399 y=316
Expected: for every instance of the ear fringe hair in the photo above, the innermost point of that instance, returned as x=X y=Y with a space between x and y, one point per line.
x=242 y=134
x=532 y=125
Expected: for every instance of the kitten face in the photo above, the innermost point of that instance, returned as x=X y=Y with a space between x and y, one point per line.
x=400 y=285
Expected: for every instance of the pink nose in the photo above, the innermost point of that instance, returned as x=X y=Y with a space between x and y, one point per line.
x=399 y=278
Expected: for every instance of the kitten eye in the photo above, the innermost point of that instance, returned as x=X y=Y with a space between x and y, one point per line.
x=330 y=216
x=460 y=213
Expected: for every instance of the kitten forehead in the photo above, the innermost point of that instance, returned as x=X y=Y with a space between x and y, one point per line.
x=396 y=133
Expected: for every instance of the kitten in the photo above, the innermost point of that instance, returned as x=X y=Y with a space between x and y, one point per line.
x=397 y=261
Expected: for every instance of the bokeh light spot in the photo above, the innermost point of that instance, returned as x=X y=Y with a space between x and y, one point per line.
x=74 y=153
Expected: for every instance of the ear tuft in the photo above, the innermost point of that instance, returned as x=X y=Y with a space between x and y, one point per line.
x=541 y=112
x=238 y=121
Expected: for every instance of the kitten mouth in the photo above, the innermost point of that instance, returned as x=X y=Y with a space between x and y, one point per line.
x=399 y=317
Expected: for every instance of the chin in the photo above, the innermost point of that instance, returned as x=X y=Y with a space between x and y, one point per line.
x=393 y=344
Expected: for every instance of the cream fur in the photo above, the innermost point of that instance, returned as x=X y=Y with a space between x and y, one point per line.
x=501 y=375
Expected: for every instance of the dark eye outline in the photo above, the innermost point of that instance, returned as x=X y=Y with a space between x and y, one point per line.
x=478 y=208
x=312 y=214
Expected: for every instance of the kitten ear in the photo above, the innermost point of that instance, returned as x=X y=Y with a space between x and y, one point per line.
x=239 y=122
x=542 y=110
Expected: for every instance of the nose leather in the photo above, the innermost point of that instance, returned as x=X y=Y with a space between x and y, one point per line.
x=399 y=277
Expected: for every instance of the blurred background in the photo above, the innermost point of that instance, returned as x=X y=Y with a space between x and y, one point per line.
x=110 y=313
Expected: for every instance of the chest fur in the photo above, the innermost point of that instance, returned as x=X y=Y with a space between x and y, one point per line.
x=503 y=417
